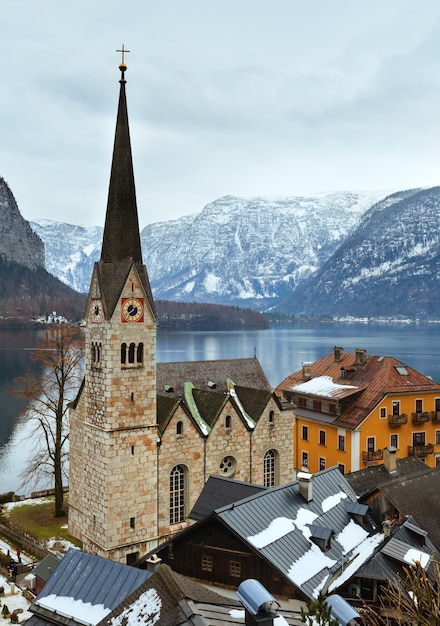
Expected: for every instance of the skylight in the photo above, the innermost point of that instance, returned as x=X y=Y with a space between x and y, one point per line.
x=402 y=370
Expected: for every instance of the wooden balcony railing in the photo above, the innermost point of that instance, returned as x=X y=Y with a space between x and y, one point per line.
x=372 y=455
x=419 y=418
x=397 y=420
x=421 y=450
x=435 y=416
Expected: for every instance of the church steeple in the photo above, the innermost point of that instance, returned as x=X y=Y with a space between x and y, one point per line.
x=121 y=232
x=113 y=434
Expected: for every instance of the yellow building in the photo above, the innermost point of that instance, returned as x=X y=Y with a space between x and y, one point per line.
x=349 y=407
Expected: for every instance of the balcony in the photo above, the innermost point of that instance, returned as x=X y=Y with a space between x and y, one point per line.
x=372 y=455
x=419 y=418
x=435 y=417
x=397 y=420
x=421 y=450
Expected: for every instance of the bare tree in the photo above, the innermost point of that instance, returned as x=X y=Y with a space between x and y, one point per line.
x=413 y=600
x=51 y=381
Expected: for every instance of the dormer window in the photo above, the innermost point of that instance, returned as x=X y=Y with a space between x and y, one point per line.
x=321 y=537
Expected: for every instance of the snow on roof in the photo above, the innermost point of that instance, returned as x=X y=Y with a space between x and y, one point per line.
x=308 y=565
x=351 y=536
x=416 y=556
x=332 y=501
x=281 y=526
x=84 y=612
x=322 y=386
x=363 y=552
x=145 y=610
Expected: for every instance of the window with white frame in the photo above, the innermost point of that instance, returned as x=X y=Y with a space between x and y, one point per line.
x=177 y=494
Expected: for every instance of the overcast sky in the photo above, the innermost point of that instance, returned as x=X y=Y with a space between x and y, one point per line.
x=242 y=97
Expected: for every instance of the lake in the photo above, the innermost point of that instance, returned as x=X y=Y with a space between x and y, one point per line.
x=280 y=351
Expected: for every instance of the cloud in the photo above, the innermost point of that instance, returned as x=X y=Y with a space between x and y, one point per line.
x=240 y=97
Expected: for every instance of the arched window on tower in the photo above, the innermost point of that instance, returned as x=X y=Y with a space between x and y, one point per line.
x=123 y=353
x=177 y=494
x=131 y=353
x=270 y=468
x=179 y=428
x=140 y=353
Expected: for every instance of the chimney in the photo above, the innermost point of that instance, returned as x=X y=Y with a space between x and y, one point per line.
x=389 y=459
x=360 y=358
x=305 y=483
x=386 y=528
x=338 y=352
x=259 y=606
x=153 y=563
x=306 y=370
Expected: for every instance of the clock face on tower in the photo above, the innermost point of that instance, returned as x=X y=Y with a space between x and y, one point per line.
x=132 y=309
x=96 y=311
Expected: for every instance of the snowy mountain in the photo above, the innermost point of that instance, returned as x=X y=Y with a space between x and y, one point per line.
x=240 y=251
x=389 y=265
x=70 y=251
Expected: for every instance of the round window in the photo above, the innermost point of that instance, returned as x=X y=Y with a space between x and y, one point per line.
x=228 y=465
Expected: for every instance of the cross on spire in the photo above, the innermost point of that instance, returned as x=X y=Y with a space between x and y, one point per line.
x=123 y=52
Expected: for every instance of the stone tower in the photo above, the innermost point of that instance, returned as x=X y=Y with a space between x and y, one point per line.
x=113 y=438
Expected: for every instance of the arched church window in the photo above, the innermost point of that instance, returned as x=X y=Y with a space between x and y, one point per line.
x=270 y=468
x=131 y=353
x=177 y=494
x=98 y=352
x=140 y=353
x=123 y=353
x=228 y=421
x=179 y=428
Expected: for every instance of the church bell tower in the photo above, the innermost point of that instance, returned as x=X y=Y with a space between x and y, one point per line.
x=113 y=430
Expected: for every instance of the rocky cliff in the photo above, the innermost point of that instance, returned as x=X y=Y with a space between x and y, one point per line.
x=18 y=242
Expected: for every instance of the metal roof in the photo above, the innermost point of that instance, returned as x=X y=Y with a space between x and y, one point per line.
x=277 y=522
x=404 y=552
x=89 y=579
x=355 y=508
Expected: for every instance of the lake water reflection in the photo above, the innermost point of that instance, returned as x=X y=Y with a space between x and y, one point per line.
x=279 y=350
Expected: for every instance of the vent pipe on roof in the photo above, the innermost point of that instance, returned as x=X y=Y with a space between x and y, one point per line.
x=305 y=483
x=306 y=370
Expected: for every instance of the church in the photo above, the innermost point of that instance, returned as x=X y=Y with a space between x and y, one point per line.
x=146 y=436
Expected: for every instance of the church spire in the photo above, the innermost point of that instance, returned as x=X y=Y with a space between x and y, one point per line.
x=121 y=231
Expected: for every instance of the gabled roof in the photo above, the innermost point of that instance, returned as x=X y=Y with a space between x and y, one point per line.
x=406 y=544
x=275 y=524
x=418 y=496
x=168 y=599
x=205 y=374
x=366 y=480
x=220 y=491
x=204 y=387
x=376 y=377
x=84 y=588
x=46 y=567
